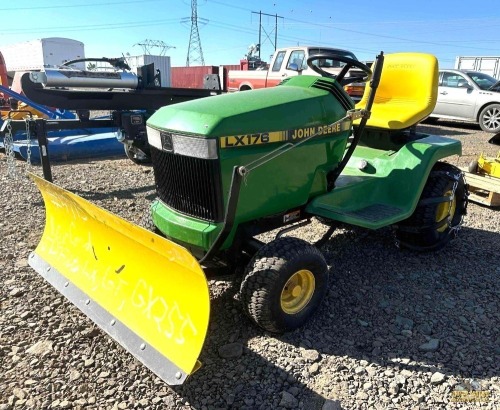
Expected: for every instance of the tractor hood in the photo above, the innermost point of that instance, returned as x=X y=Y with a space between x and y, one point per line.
x=298 y=102
x=195 y=147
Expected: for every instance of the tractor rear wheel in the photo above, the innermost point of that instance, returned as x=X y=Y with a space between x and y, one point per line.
x=439 y=213
x=284 y=284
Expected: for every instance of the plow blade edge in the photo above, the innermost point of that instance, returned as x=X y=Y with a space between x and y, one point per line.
x=146 y=292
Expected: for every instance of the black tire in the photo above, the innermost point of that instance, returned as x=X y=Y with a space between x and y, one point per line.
x=489 y=118
x=266 y=290
x=434 y=223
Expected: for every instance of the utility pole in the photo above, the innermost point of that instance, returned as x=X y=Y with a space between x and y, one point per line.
x=261 y=28
x=195 y=52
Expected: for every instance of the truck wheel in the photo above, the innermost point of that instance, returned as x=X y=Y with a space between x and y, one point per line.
x=284 y=284
x=434 y=223
x=489 y=119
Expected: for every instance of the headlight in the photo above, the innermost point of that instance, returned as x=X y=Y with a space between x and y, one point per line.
x=197 y=147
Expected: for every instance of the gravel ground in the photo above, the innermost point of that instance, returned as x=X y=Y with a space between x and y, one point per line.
x=397 y=329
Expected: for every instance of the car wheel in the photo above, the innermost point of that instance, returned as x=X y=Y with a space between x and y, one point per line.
x=489 y=119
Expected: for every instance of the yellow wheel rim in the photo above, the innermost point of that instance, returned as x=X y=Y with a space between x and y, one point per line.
x=444 y=209
x=297 y=292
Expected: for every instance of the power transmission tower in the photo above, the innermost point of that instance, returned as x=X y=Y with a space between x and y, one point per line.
x=147 y=44
x=195 y=53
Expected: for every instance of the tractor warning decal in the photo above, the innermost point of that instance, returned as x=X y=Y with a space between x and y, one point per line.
x=294 y=135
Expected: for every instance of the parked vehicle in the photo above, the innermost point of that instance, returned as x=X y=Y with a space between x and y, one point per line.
x=485 y=64
x=469 y=96
x=292 y=61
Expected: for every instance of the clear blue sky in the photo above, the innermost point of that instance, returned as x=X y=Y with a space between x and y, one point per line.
x=112 y=28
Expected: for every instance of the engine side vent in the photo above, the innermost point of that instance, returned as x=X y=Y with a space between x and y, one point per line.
x=192 y=186
x=337 y=91
x=284 y=81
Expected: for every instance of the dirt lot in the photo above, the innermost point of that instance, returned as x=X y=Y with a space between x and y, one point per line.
x=397 y=329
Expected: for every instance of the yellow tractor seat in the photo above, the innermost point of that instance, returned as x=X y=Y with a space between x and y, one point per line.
x=407 y=92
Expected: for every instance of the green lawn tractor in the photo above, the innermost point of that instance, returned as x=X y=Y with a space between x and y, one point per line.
x=231 y=167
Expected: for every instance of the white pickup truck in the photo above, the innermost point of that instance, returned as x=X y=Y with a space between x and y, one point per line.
x=292 y=61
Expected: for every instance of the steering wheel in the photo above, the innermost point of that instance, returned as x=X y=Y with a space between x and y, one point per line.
x=349 y=62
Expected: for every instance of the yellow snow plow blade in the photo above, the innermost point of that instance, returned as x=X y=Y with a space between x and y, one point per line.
x=146 y=292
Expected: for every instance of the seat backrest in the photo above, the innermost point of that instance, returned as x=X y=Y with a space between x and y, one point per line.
x=407 y=92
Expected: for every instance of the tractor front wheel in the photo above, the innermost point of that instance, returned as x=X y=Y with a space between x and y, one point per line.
x=439 y=213
x=284 y=284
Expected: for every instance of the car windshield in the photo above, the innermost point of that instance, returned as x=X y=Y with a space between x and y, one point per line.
x=484 y=81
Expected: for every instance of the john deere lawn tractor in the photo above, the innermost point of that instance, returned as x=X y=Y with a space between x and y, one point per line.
x=230 y=167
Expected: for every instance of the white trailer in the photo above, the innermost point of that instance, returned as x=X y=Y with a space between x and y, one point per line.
x=161 y=63
x=487 y=64
x=40 y=53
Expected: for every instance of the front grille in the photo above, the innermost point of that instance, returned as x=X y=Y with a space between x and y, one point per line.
x=337 y=92
x=189 y=185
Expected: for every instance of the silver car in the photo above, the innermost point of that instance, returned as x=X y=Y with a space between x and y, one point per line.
x=469 y=96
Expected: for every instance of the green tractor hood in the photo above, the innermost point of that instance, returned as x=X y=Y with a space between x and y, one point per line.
x=298 y=102
x=196 y=145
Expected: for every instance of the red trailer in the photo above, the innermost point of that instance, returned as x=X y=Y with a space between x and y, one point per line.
x=200 y=76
